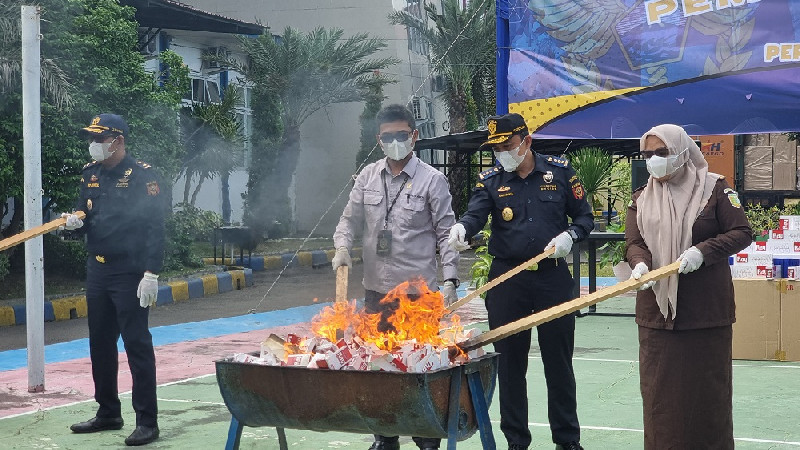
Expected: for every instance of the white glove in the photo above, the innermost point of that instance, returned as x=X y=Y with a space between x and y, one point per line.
x=341 y=258
x=562 y=243
x=73 y=222
x=458 y=238
x=148 y=290
x=449 y=293
x=691 y=260
x=638 y=270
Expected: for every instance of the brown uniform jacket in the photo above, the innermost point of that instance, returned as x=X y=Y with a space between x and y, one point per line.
x=705 y=296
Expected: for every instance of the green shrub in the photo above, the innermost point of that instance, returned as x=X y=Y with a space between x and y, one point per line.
x=64 y=258
x=4 y=265
x=479 y=272
x=184 y=226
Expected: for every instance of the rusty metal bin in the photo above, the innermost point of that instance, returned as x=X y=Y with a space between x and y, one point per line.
x=366 y=402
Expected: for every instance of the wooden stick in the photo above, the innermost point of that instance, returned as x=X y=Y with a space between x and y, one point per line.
x=499 y=280
x=342 y=272
x=36 y=231
x=565 y=308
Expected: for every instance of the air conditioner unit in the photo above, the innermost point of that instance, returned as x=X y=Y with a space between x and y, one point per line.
x=419 y=106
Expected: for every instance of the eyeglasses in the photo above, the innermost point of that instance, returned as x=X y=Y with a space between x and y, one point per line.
x=662 y=152
x=400 y=136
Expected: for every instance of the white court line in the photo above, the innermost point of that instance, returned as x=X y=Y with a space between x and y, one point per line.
x=635 y=430
x=121 y=394
x=630 y=361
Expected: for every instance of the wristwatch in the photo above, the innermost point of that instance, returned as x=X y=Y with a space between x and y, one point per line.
x=573 y=235
x=454 y=280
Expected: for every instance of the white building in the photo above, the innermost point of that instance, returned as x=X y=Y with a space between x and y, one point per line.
x=330 y=137
x=192 y=33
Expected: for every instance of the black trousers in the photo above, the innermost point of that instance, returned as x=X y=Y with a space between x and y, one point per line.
x=372 y=306
x=114 y=310
x=517 y=297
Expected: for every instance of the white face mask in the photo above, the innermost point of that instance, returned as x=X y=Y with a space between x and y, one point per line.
x=660 y=167
x=397 y=150
x=510 y=160
x=99 y=150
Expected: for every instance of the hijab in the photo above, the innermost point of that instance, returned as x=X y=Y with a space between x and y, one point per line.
x=667 y=209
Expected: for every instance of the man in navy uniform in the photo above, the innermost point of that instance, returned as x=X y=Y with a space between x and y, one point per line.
x=124 y=227
x=529 y=197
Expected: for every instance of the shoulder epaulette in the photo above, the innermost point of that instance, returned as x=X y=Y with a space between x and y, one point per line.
x=556 y=161
x=93 y=163
x=143 y=164
x=486 y=174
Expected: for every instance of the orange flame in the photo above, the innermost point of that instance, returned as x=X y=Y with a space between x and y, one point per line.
x=415 y=313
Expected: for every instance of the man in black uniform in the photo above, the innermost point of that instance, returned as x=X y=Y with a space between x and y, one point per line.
x=125 y=240
x=529 y=197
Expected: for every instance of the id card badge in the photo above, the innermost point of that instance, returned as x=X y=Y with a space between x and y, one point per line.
x=384 y=244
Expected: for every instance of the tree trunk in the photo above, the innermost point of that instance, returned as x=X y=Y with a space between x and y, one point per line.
x=197 y=189
x=226 y=197
x=187 y=186
x=458 y=174
x=268 y=203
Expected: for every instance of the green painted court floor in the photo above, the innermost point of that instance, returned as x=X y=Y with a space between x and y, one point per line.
x=193 y=415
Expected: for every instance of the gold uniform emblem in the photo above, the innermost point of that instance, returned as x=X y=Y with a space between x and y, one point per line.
x=508 y=214
x=89 y=204
x=492 y=127
x=548 y=177
x=101 y=259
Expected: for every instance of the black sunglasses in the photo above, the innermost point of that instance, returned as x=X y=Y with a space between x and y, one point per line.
x=400 y=136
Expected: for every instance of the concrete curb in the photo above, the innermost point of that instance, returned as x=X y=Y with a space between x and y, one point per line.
x=313 y=258
x=172 y=292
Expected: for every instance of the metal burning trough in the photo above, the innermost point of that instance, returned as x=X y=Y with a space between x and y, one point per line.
x=430 y=404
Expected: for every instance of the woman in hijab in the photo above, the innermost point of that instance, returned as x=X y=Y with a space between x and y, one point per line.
x=685 y=213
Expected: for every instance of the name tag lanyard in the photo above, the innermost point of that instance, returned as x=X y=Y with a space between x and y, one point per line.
x=388 y=206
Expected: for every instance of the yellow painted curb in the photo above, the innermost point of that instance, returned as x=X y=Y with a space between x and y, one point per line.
x=7 y=316
x=180 y=291
x=273 y=262
x=330 y=254
x=63 y=306
x=210 y=284
x=304 y=258
x=237 y=279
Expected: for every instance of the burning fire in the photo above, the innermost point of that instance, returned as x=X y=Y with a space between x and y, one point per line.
x=416 y=315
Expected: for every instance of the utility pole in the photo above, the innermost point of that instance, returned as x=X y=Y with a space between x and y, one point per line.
x=32 y=147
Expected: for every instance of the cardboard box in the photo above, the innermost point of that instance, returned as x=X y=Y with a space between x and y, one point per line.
x=784 y=176
x=756 y=333
x=756 y=139
x=790 y=321
x=785 y=151
x=758 y=168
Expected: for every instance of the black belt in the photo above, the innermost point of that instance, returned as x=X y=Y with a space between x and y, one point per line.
x=545 y=264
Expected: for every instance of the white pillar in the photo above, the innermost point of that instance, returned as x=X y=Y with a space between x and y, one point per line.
x=32 y=145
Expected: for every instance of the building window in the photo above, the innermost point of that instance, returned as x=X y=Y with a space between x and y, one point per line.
x=416 y=43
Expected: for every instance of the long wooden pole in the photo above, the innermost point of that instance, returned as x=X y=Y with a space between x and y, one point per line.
x=474 y=294
x=565 y=308
x=342 y=272
x=36 y=231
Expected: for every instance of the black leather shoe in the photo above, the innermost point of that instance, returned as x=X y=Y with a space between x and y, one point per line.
x=142 y=435
x=569 y=446
x=383 y=445
x=98 y=424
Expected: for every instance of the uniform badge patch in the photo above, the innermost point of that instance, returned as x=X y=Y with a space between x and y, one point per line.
x=733 y=197
x=479 y=185
x=548 y=177
x=89 y=204
x=503 y=189
x=152 y=188
x=93 y=179
x=577 y=191
x=508 y=214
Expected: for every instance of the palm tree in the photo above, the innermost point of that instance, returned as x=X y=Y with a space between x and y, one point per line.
x=303 y=73
x=210 y=132
x=53 y=80
x=462 y=43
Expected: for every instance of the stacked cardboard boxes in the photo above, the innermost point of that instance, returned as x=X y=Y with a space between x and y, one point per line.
x=770 y=162
x=767 y=312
